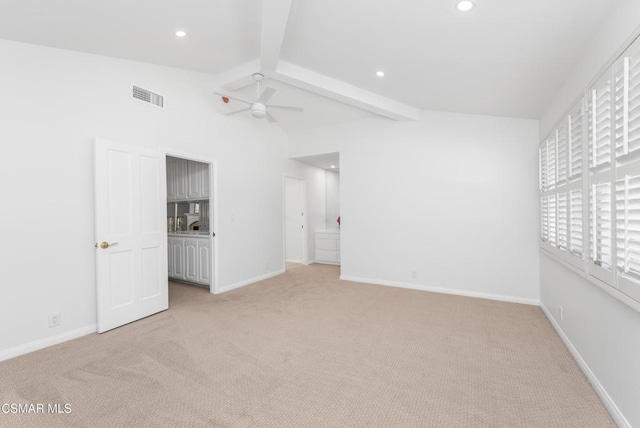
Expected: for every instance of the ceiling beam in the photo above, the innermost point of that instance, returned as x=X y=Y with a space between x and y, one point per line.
x=238 y=77
x=275 y=16
x=340 y=91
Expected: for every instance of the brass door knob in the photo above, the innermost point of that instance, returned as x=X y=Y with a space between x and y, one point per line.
x=106 y=245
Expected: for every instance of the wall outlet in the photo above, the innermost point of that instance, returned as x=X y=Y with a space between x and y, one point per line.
x=414 y=274
x=266 y=266
x=54 y=319
x=561 y=313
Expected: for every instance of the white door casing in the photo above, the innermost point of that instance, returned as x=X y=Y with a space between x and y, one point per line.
x=130 y=223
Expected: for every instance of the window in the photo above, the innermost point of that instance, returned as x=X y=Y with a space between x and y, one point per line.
x=590 y=180
x=561 y=187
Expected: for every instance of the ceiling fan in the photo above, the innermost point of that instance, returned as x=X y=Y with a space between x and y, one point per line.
x=259 y=107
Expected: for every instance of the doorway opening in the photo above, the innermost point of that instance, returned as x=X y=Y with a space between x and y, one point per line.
x=190 y=248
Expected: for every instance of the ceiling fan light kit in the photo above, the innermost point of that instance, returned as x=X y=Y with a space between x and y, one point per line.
x=260 y=107
x=259 y=111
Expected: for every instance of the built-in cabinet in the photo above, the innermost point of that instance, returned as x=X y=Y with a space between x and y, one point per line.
x=190 y=258
x=187 y=180
x=328 y=247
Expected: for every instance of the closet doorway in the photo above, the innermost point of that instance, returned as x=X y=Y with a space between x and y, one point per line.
x=190 y=221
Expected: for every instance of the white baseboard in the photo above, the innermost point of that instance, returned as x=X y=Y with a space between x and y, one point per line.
x=617 y=416
x=45 y=343
x=250 y=281
x=499 y=297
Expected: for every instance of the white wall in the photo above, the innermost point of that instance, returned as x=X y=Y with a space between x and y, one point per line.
x=53 y=103
x=452 y=197
x=603 y=331
x=333 y=199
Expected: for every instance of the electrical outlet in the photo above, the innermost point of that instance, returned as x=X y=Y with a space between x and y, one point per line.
x=561 y=313
x=266 y=266
x=54 y=319
x=414 y=274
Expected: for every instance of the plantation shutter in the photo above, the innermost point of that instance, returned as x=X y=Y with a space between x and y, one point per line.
x=552 y=163
x=562 y=136
x=600 y=150
x=562 y=221
x=627 y=103
x=575 y=124
x=621 y=107
x=627 y=186
x=601 y=227
x=575 y=222
x=600 y=124
x=628 y=224
x=633 y=97
x=544 y=226
x=543 y=167
x=551 y=210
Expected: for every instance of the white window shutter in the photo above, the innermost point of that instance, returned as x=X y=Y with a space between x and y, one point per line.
x=601 y=227
x=627 y=103
x=543 y=167
x=552 y=163
x=628 y=224
x=575 y=223
x=575 y=124
x=562 y=136
x=544 y=226
x=633 y=126
x=551 y=215
x=600 y=124
x=562 y=240
x=621 y=107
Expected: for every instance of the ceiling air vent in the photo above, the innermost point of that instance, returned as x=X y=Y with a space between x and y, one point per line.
x=148 y=96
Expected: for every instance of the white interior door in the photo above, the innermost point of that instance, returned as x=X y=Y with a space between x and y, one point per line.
x=294 y=220
x=131 y=233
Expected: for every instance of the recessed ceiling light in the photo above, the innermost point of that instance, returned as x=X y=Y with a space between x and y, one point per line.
x=465 y=5
x=380 y=73
x=181 y=33
x=333 y=166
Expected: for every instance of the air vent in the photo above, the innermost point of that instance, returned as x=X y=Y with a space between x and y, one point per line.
x=148 y=96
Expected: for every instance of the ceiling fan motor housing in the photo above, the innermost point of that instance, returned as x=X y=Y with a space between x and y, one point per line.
x=258 y=110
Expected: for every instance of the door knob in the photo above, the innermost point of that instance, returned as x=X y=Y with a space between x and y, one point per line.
x=106 y=245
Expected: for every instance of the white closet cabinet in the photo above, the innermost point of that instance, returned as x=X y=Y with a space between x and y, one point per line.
x=198 y=180
x=187 y=180
x=328 y=247
x=190 y=258
x=176 y=261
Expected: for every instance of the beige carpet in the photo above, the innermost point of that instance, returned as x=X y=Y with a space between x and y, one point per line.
x=305 y=349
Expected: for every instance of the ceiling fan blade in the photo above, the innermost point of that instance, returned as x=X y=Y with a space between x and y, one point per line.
x=238 y=111
x=266 y=95
x=288 y=108
x=231 y=97
x=270 y=118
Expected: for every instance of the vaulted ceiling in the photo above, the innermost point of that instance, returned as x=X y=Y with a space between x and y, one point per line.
x=504 y=58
